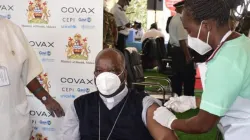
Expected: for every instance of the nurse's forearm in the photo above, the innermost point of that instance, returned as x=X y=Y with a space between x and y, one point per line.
x=190 y=126
x=35 y=86
x=201 y=123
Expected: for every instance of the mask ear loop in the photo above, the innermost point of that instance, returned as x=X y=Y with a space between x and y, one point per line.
x=208 y=36
x=198 y=36
x=124 y=81
x=121 y=72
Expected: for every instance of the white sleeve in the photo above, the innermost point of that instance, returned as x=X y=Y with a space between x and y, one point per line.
x=145 y=35
x=146 y=103
x=70 y=126
x=181 y=32
x=32 y=66
x=123 y=18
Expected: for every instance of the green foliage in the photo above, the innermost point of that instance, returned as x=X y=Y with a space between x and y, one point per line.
x=137 y=11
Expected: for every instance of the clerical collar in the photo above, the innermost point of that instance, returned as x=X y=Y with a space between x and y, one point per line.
x=113 y=101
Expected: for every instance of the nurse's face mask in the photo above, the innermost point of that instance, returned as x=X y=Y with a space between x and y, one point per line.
x=198 y=45
x=108 y=83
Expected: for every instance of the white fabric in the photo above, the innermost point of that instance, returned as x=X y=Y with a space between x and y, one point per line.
x=236 y=124
x=115 y=100
x=202 y=69
x=164 y=117
x=4 y=78
x=177 y=31
x=70 y=126
x=152 y=33
x=131 y=49
x=139 y=34
x=181 y=104
x=22 y=66
x=120 y=15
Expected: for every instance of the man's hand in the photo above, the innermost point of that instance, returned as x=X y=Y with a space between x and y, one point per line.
x=181 y=104
x=54 y=107
x=188 y=59
x=184 y=47
x=164 y=117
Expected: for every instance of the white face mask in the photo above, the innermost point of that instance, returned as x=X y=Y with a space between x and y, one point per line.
x=108 y=83
x=125 y=7
x=198 y=45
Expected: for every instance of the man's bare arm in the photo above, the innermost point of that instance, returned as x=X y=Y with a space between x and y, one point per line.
x=184 y=47
x=157 y=131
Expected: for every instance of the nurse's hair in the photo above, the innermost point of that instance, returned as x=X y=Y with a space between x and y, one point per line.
x=219 y=10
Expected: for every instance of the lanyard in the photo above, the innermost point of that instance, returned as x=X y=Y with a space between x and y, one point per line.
x=226 y=36
x=223 y=40
x=115 y=119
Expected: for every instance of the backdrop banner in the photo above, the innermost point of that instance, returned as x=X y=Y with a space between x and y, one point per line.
x=66 y=35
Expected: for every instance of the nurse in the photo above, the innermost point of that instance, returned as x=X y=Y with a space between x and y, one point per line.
x=19 y=67
x=226 y=98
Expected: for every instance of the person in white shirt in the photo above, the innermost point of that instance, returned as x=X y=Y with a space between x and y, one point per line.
x=138 y=30
x=152 y=33
x=182 y=65
x=122 y=22
x=19 y=68
x=113 y=111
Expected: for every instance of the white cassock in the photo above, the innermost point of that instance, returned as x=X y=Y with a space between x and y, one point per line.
x=18 y=66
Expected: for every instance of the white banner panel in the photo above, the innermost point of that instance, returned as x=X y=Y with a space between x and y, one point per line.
x=66 y=35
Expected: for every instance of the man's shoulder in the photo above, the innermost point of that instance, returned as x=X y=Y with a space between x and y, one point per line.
x=86 y=96
x=138 y=94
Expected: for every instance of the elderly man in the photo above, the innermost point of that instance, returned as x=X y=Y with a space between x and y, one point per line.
x=113 y=112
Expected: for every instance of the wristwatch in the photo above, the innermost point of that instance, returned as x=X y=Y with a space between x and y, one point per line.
x=44 y=99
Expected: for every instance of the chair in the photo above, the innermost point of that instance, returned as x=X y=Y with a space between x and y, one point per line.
x=134 y=68
x=136 y=79
x=164 y=60
x=149 y=53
